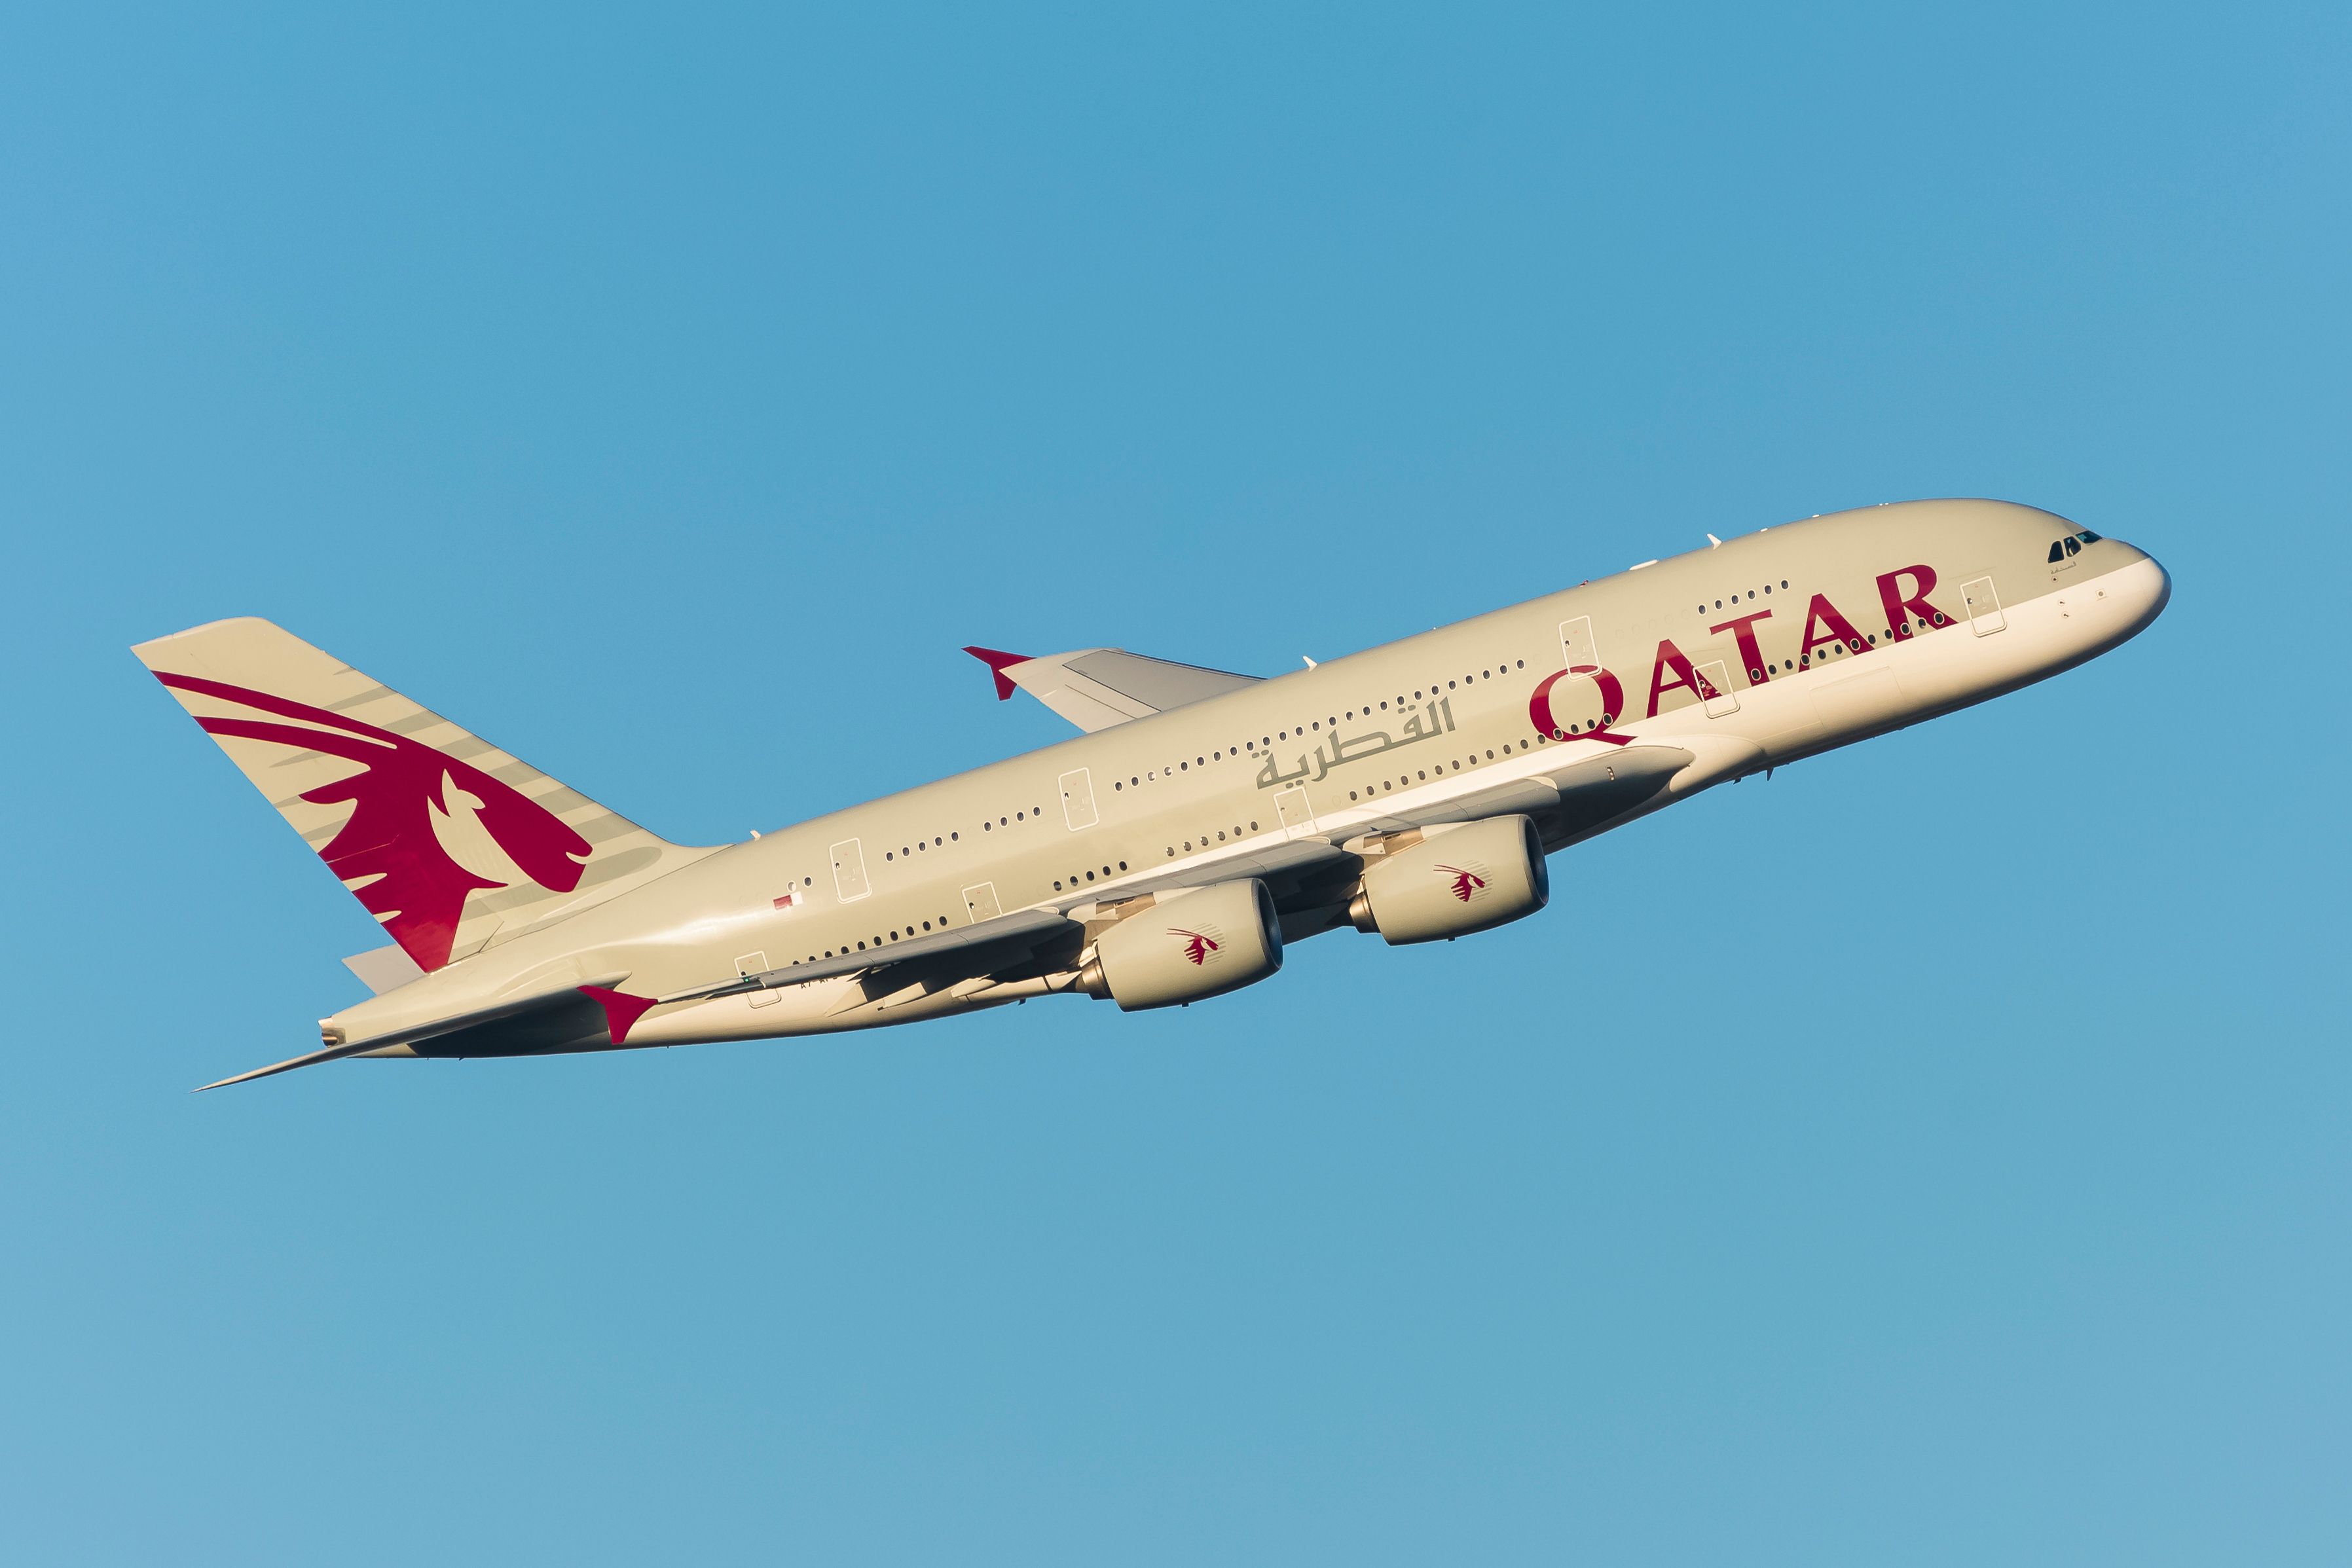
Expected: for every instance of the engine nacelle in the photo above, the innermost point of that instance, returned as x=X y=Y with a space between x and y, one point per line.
x=1201 y=943
x=1454 y=882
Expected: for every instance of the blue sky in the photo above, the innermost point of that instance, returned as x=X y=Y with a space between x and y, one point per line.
x=1936 y=1154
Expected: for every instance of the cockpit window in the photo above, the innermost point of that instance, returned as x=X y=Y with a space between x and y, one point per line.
x=2064 y=549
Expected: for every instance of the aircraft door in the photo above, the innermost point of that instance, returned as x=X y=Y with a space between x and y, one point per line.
x=849 y=871
x=757 y=964
x=1984 y=607
x=1714 y=689
x=1078 y=799
x=1297 y=816
x=1576 y=645
x=979 y=901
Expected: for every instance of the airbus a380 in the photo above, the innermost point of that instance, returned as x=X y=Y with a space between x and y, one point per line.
x=1202 y=823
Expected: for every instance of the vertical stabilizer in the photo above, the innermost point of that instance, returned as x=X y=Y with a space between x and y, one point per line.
x=450 y=842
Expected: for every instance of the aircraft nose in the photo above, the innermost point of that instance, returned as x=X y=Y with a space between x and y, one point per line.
x=2138 y=591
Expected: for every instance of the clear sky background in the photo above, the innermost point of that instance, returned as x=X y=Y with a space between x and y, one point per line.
x=1937 y=1154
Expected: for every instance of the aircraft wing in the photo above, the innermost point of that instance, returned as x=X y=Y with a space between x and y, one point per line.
x=1571 y=803
x=1095 y=688
x=972 y=950
x=1566 y=804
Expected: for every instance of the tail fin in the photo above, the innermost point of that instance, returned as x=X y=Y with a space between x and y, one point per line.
x=450 y=842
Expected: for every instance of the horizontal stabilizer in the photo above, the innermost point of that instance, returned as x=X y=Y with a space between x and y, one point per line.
x=509 y=1008
x=1096 y=688
x=331 y=1053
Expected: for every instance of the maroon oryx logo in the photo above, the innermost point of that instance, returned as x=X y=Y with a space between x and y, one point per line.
x=1465 y=882
x=388 y=851
x=1197 y=946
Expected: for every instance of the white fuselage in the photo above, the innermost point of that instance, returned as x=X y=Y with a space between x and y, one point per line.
x=1723 y=653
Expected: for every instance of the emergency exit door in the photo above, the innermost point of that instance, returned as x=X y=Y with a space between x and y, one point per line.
x=1577 y=649
x=1984 y=607
x=1714 y=689
x=1078 y=799
x=849 y=871
x=1296 y=816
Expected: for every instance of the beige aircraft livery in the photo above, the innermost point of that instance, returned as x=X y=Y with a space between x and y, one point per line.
x=1201 y=823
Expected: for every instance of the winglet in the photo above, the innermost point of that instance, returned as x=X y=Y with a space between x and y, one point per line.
x=998 y=662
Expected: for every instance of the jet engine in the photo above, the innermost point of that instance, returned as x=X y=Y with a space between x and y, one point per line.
x=1201 y=943
x=1454 y=881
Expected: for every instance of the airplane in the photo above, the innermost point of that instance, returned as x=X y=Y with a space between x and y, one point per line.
x=1202 y=822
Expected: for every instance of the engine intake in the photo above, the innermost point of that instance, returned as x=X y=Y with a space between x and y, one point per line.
x=1455 y=881
x=1201 y=943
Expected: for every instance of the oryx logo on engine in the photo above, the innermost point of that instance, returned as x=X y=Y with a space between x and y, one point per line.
x=1199 y=946
x=1467 y=884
